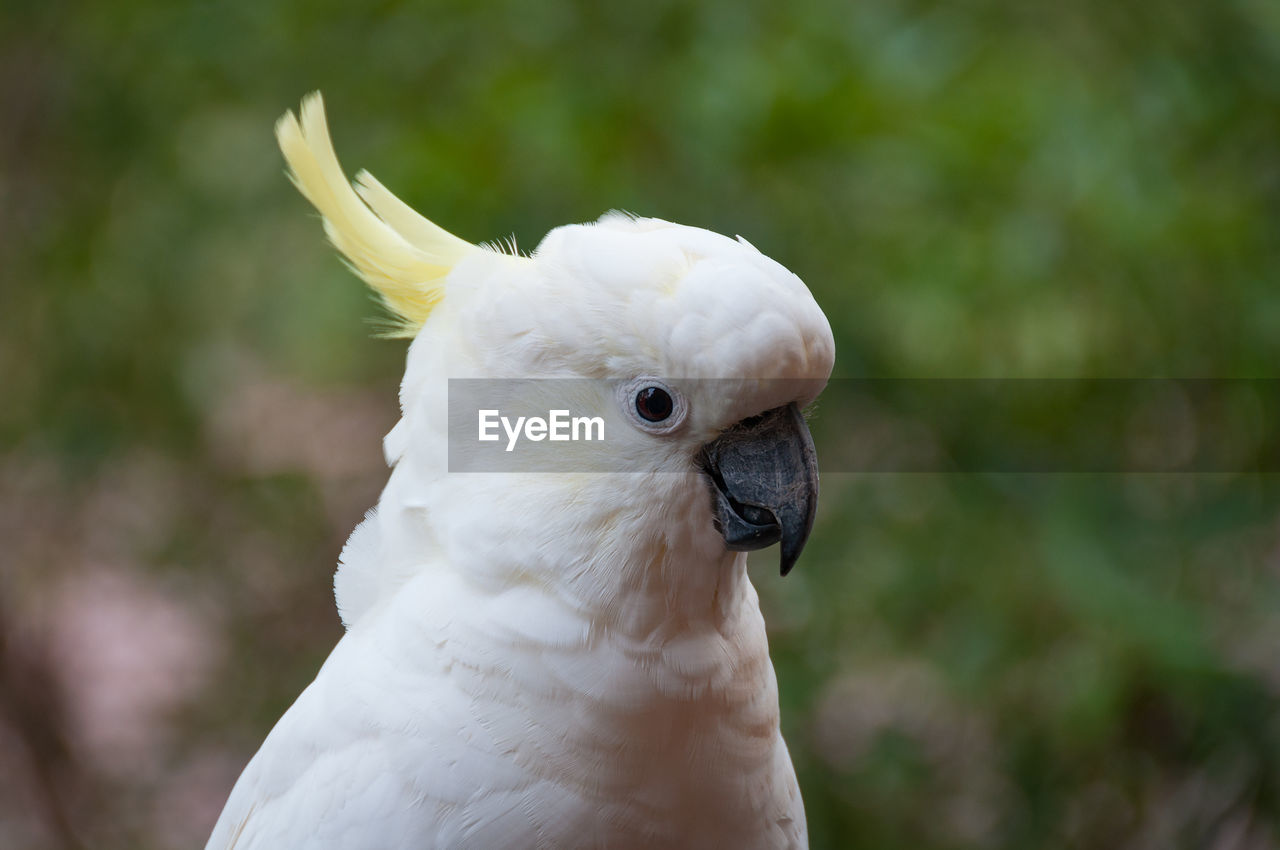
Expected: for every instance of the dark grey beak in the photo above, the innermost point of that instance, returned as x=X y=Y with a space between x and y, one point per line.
x=764 y=483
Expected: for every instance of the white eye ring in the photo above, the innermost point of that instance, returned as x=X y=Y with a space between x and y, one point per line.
x=629 y=398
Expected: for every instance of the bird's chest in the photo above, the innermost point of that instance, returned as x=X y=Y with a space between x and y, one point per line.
x=578 y=736
x=672 y=734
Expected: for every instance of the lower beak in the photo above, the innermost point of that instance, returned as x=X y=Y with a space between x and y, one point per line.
x=764 y=483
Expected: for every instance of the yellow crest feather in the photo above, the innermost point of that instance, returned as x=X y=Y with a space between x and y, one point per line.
x=403 y=256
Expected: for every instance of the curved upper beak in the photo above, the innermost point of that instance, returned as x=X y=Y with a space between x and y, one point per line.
x=764 y=483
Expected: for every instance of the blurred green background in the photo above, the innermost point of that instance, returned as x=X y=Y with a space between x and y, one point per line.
x=192 y=403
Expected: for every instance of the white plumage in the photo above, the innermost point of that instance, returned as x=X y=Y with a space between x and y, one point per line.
x=547 y=660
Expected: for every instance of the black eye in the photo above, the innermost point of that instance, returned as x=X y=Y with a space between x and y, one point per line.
x=654 y=404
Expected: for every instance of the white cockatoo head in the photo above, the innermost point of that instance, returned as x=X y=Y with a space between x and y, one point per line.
x=696 y=350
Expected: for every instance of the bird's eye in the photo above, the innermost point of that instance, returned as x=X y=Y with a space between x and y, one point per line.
x=654 y=404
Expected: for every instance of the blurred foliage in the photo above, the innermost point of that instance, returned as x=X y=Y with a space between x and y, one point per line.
x=985 y=189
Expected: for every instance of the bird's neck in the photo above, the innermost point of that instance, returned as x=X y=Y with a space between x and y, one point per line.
x=648 y=565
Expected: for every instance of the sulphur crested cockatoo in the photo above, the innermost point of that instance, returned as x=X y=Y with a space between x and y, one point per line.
x=568 y=658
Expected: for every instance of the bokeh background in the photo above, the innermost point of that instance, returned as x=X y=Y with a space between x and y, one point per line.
x=192 y=403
